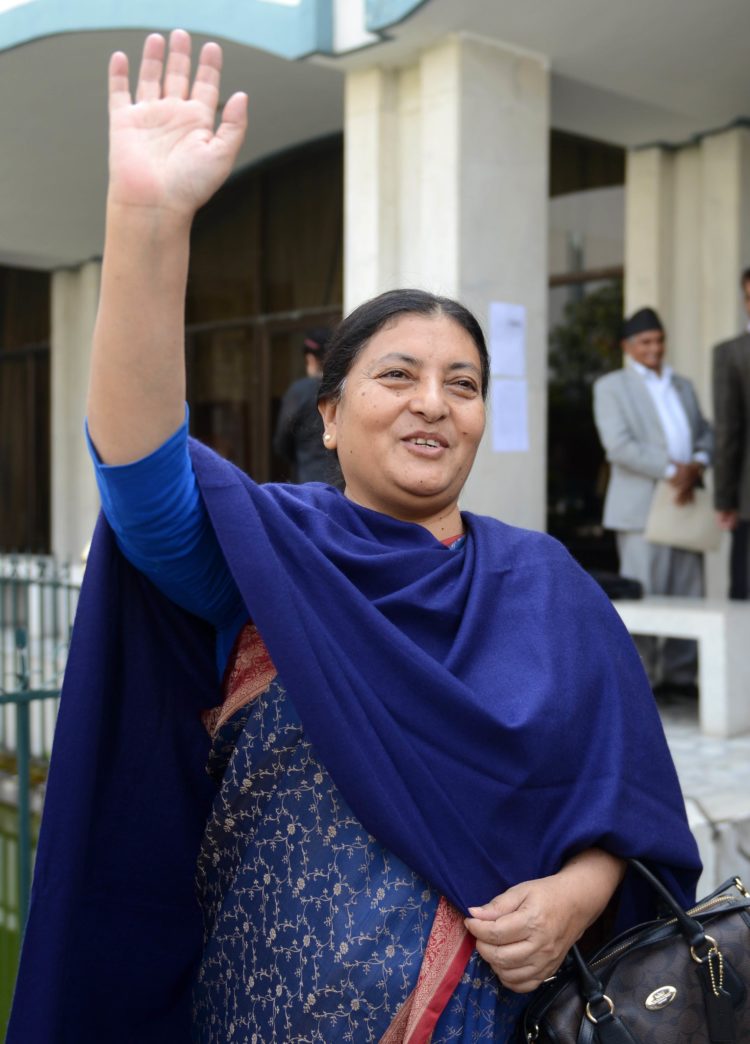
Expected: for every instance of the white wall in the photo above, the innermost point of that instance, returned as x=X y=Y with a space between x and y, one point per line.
x=446 y=189
x=75 y=501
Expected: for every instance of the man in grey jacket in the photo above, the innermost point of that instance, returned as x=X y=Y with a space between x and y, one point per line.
x=731 y=387
x=651 y=427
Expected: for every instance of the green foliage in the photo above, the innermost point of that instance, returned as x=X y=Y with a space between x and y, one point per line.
x=582 y=348
x=587 y=344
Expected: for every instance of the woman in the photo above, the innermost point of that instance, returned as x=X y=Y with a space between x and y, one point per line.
x=435 y=745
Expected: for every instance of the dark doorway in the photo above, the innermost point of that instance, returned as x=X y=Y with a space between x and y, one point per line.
x=266 y=265
x=583 y=345
x=237 y=373
x=24 y=410
x=586 y=179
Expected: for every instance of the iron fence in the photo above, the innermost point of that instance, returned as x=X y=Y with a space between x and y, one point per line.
x=38 y=598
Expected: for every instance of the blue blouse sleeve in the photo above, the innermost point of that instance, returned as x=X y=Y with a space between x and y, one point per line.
x=156 y=512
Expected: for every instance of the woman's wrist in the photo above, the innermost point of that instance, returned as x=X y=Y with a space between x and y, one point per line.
x=148 y=220
x=592 y=877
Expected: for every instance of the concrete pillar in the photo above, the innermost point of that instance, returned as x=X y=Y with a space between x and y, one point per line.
x=446 y=188
x=725 y=206
x=687 y=238
x=686 y=349
x=649 y=179
x=370 y=190
x=725 y=252
x=75 y=501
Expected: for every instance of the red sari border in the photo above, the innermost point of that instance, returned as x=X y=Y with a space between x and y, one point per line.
x=249 y=672
x=448 y=950
x=449 y=946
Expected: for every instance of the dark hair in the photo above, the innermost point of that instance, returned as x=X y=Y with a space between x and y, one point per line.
x=353 y=333
x=315 y=341
x=745 y=277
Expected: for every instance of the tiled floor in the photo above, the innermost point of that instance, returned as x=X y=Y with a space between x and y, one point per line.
x=715 y=779
x=705 y=765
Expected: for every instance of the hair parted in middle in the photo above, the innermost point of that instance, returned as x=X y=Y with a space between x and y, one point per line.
x=353 y=333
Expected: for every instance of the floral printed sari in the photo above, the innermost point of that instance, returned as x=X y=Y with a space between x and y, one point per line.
x=313 y=931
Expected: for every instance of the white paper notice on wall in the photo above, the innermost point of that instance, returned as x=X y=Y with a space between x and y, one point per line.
x=510 y=416
x=507 y=339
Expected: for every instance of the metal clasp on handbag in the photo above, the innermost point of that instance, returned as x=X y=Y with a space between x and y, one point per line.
x=724 y=994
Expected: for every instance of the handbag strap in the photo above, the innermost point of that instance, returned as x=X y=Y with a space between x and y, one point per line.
x=690 y=928
x=600 y=1009
x=608 y=1029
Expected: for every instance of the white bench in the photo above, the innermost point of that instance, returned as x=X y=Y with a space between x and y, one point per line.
x=722 y=630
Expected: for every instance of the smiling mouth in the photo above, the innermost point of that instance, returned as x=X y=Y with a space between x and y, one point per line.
x=426 y=442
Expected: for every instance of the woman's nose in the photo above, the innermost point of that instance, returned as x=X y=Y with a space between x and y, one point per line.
x=429 y=400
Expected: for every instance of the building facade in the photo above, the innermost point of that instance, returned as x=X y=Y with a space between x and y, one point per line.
x=566 y=160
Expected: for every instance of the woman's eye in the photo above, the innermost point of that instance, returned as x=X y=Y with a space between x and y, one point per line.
x=394 y=374
x=465 y=384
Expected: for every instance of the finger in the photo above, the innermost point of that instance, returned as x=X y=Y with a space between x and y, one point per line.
x=208 y=76
x=490 y=912
x=502 y=904
x=520 y=980
x=119 y=83
x=517 y=966
x=233 y=124
x=152 y=66
x=177 y=75
x=518 y=955
x=512 y=928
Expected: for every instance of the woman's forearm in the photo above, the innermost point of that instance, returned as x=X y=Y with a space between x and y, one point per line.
x=137 y=385
x=591 y=878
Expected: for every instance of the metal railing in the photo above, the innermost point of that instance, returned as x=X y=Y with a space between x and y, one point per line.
x=38 y=598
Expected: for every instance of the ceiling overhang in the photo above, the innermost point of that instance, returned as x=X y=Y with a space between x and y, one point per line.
x=628 y=74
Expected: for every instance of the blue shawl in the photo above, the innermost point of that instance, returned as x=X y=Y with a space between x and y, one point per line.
x=484 y=713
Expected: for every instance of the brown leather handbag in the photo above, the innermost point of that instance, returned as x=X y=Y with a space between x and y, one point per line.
x=681 y=979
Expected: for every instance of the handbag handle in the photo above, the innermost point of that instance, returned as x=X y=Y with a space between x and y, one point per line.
x=600 y=1009
x=690 y=928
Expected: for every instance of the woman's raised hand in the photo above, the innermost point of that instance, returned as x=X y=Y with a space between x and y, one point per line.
x=164 y=152
x=166 y=159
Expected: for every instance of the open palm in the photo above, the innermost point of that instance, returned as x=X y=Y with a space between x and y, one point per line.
x=164 y=151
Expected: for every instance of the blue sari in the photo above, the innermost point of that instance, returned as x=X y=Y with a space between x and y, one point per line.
x=312 y=930
x=484 y=716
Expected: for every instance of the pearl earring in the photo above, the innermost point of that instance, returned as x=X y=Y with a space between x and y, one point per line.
x=326 y=437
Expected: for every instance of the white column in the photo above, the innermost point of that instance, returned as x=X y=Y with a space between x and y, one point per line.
x=648 y=230
x=75 y=501
x=725 y=252
x=687 y=351
x=446 y=188
x=687 y=240
x=370 y=190
x=725 y=206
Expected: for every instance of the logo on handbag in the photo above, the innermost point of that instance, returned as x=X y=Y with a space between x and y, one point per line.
x=660 y=998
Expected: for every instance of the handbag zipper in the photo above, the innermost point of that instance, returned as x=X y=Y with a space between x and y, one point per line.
x=700 y=908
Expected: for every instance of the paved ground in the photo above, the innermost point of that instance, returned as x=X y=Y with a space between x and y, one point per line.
x=705 y=765
x=715 y=778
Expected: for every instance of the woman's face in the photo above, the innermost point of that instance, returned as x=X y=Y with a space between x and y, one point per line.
x=409 y=421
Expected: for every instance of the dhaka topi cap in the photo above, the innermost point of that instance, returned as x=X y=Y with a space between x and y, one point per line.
x=641 y=321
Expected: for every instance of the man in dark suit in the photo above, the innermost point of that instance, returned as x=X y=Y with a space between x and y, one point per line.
x=731 y=386
x=651 y=427
x=299 y=430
